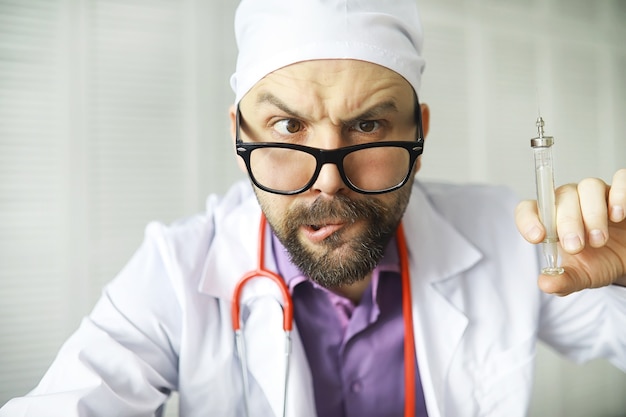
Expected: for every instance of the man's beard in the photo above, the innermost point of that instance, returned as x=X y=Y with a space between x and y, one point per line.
x=337 y=260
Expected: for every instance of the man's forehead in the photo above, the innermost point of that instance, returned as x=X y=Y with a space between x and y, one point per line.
x=335 y=79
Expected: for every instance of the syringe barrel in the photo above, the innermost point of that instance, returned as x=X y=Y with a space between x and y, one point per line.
x=544 y=177
x=546 y=198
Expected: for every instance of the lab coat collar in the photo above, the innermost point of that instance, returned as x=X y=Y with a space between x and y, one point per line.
x=234 y=248
x=436 y=248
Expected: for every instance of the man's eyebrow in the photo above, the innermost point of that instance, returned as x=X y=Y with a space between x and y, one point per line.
x=276 y=102
x=374 y=112
x=377 y=111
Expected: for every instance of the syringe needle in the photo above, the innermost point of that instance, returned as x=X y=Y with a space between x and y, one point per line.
x=546 y=201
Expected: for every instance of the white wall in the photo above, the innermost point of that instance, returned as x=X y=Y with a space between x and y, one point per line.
x=114 y=113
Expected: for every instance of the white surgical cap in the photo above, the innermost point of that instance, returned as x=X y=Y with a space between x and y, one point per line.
x=272 y=34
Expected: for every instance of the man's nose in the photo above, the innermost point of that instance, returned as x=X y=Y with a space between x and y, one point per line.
x=329 y=180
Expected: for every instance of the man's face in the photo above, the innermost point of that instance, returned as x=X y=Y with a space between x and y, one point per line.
x=336 y=236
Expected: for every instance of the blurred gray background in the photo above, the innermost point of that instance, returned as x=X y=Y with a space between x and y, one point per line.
x=113 y=113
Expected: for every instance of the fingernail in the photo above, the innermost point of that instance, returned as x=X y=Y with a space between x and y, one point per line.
x=617 y=213
x=534 y=233
x=571 y=242
x=596 y=238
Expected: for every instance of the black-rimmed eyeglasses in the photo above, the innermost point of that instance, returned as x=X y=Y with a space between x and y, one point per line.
x=367 y=168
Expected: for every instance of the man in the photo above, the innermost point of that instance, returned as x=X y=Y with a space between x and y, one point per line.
x=439 y=317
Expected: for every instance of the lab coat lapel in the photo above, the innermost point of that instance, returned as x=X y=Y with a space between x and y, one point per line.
x=438 y=256
x=267 y=359
x=233 y=253
x=265 y=340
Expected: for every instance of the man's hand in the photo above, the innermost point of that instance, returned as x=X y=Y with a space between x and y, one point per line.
x=591 y=224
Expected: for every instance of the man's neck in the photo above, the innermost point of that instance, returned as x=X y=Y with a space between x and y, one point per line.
x=354 y=292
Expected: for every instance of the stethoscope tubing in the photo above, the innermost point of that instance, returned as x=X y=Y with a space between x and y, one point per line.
x=261 y=271
x=407 y=314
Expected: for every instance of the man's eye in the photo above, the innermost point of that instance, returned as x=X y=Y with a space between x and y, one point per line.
x=288 y=126
x=367 y=126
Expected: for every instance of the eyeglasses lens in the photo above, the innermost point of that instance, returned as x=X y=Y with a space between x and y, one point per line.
x=368 y=169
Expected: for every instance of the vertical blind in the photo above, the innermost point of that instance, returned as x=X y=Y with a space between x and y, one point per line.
x=110 y=115
x=33 y=266
x=94 y=96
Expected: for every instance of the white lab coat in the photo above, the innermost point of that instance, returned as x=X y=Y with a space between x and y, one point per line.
x=164 y=323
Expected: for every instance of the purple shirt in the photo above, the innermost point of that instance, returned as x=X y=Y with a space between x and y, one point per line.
x=355 y=352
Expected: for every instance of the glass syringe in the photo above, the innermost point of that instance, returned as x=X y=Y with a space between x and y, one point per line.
x=546 y=201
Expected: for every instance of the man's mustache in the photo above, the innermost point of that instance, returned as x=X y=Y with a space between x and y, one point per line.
x=336 y=208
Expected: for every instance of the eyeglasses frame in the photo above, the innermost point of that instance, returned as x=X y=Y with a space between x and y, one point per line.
x=332 y=156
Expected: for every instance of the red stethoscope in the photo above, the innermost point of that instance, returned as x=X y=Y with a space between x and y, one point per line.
x=287 y=306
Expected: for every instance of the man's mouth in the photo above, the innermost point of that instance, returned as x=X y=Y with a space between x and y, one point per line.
x=316 y=233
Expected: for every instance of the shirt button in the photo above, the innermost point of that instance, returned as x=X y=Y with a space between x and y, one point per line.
x=357 y=386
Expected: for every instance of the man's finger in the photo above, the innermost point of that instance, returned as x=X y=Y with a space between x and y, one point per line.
x=592 y=195
x=527 y=221
x=617 y=197
x=569 y=221
x=563 y=284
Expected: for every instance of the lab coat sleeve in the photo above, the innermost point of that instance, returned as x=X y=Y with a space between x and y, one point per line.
x=587 y=325
x=582 y=326
x=123 y=358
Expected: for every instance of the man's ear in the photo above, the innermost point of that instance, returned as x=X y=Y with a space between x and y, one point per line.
x=425 y=124
x=232 y=113
x=425 y=118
